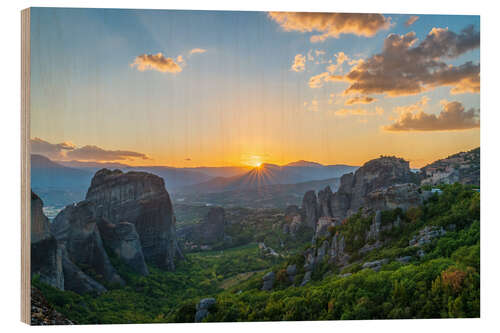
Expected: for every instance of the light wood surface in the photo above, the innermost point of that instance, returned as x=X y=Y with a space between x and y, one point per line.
x=25 y=168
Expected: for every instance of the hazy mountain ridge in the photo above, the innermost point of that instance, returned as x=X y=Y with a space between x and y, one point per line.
x=270 y=174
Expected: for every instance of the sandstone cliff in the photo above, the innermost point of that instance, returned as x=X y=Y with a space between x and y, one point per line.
x=210 y=231
x=50 y=259
x=46 y=255
x=463 y=168
x=141 y=199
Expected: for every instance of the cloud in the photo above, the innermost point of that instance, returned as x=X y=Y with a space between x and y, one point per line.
x=341 y=57
x=358 y=112
x=411 y=20
x=360 y=100
x=316 y=81
x=94 y=153
x=299 y=63
x=313 y=106
x=412 y=108
x=331 y=24
x=452 y=117
x=67 y=150
x=197 y=50
x=405 y=68
x=157 y=62
x=51 y=150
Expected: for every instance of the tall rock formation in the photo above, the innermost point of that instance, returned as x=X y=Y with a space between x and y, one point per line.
x=141 y=199
x=50 y=259
x=355 y=191
x=380 y=184
x=76 y=228
x=210 y=231
x=310 y=207
x=46 y=255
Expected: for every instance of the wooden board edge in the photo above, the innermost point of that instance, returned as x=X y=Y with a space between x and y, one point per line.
x=25 y=168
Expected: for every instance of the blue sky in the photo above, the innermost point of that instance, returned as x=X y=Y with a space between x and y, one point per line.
x=237 y=99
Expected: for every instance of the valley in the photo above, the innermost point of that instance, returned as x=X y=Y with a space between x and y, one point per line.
x=376 y=243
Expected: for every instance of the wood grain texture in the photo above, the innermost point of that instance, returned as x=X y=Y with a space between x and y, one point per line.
x=25 y=168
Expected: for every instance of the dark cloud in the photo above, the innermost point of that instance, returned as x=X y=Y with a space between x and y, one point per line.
x=331 y=24
x=405 y=68
x=51 y=150
x=67 y=150
x=360 y=100
x=94 y=153
x=452 y=117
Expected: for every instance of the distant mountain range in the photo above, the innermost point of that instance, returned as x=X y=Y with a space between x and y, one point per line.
x=268 y=196
x=62 y=182
x=270 y=174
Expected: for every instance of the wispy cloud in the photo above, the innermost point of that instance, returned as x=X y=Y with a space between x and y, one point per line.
x=358 y=112
x=331 y=25
x=412 y=19
x=197 y=50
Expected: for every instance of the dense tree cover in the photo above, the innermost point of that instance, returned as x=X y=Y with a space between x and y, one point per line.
x=149 y=298
x=440 y=281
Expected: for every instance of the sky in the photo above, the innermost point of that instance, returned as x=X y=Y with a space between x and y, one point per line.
x=208 y=88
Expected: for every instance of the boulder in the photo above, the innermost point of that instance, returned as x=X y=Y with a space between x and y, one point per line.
x=426 y=235
x=206 y=303
x=291 y=272
x=375 y=265
x=268 y=281
x=306 y=279
x=404 y=260
x=202 y=309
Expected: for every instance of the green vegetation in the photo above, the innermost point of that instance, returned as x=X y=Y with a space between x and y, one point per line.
x=149 y=298
x=441 y=279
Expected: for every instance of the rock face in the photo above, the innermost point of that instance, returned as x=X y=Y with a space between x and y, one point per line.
x=210 y=231
x=76 y=280
x=463 y=167
x=46 y=254
x=426 y=235
x=380 y=184
x=50 y=259
x=131 y=214
x=141 y=199
x=76 y=228
x=368 y=187
x=124 y=241
x=310 y=207
x=213 y=226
